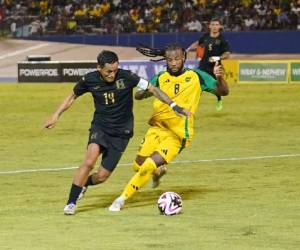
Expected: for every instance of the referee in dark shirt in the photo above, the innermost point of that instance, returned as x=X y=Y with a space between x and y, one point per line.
x=216 y=48
x=112 y=124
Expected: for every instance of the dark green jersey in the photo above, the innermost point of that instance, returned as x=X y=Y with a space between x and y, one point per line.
x=113 y=101
x=213 y=46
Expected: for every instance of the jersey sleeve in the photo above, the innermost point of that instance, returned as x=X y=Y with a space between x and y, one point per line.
x=81 y=87
x=132 y=78
x=225 y=46
x=154 y=81
x=208 y=83
x=201 y=40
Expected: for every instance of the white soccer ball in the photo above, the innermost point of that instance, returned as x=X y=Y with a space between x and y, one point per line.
x=169 y=203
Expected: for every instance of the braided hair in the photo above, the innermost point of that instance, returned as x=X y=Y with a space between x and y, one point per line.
x=154 y=52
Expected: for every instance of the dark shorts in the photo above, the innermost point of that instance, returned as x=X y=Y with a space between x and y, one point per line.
x=112 y=147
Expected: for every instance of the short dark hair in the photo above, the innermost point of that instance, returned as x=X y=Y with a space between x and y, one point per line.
x=216 y=19
x=106 y=56
x=174 y=46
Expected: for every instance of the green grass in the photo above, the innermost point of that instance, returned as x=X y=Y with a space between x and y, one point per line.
x=241 y=204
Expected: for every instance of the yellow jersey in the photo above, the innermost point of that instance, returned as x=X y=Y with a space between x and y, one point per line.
x=185 y=89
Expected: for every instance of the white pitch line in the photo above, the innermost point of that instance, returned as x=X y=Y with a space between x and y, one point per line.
x=250 y=158
x=21 y=51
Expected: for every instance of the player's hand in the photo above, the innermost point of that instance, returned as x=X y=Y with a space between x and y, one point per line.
x=51 y=121
x=180 y=111
x=214 y=59
x=218 y=69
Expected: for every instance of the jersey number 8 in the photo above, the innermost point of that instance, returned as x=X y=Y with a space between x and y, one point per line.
x=176 y=88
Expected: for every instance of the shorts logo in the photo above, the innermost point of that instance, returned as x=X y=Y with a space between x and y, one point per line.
x=94 y=135
x=165 y=151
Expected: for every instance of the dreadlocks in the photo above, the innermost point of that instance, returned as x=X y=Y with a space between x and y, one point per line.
x=154 y=52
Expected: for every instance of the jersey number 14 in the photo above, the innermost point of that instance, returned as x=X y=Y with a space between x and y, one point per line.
x=109 y=97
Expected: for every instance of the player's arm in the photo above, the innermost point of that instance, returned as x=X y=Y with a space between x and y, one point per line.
x=193 y=46
x=166 y=99
x=67 y=103
x=225 y=55
x=222 y=86
x=142 y=94
x=144 y=85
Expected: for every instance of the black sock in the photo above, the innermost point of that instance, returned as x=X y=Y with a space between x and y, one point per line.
x=89 y=181
x=219 y=98
x=74 y=193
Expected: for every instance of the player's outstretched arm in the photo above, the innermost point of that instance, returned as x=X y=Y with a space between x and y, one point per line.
x=67 y=102
x=166 y=99
x=142 y=94
x=193 y=46
x=222 y=86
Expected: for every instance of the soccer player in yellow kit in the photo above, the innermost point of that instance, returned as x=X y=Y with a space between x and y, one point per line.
x=168 y=133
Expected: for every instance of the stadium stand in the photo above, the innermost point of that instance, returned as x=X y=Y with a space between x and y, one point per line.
x=25 y=18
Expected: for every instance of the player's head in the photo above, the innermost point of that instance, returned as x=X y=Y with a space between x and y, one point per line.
x=108 y=63
x=175 y=57
x=215 y=25
x=174 y=54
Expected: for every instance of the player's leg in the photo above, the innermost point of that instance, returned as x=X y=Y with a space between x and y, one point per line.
x=210 y=70
x=169 y=148
x=81 y=175
x=110 y=159
x=138 y=180
x=166 y=151
x=219 y=105
x=147 y=147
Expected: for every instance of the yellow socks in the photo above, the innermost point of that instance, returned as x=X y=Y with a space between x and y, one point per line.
x=140 y=178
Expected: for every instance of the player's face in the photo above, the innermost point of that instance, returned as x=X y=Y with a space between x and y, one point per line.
x=175 y=60
x=215 y=27
x=109 y=71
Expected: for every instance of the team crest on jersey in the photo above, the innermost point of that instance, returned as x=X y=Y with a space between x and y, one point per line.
x=188 y=79
x=120 y=84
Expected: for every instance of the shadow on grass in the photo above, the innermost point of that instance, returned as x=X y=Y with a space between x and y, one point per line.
x=144 y=198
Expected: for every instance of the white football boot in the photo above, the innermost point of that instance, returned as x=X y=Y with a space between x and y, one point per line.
x=117 y=205
x=70 y=209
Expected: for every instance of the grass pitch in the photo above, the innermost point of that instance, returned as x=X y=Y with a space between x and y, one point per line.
x=240 y=203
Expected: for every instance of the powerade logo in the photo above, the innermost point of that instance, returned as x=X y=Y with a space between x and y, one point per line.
x=77 y=71
x=38 y=72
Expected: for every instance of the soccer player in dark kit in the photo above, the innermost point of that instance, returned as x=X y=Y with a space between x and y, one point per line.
x=216 y=48
x=112 y=125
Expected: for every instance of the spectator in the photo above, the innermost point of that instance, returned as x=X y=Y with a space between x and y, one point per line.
x=157 y=15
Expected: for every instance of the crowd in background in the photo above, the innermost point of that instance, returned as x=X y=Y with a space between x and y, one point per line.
x=140 y=16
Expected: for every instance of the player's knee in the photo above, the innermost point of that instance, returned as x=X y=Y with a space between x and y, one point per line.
x=101 y=177
x=158 y=159
x=140 y=159
x=89 y=163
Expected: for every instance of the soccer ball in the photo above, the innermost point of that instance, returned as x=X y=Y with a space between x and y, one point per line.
x=169 y=203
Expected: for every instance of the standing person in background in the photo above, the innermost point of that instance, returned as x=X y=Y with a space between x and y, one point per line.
x=216 y=48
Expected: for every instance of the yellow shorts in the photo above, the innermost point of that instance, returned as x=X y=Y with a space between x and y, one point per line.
x=163 y=141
